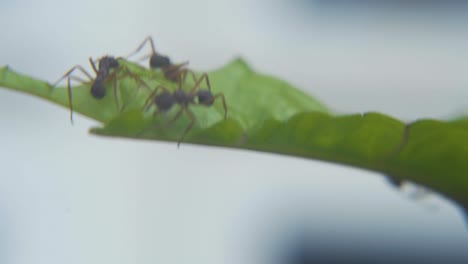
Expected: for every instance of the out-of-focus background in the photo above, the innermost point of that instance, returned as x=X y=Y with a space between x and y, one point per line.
x=69 y=197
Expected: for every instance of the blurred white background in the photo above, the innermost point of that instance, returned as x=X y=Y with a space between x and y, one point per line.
x=69 y=197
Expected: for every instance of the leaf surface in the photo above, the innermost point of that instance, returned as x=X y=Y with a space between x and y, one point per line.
x=271 y=115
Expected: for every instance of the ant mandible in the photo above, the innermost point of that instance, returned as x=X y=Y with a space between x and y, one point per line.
x=171 y=71
x=98 y=88
x=165 y=100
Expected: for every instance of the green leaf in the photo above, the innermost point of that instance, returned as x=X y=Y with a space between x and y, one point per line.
x=268 y=114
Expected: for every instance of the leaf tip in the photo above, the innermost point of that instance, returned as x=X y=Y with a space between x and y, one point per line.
x=239 y=62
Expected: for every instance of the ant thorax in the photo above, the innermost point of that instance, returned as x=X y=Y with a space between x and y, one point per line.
x=183 y=98
x=105 y=65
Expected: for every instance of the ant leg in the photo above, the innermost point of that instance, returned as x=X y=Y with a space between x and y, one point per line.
x=140 y=59
x=129 y=74
x=156 y=113
x=174 y=71
x=177 y=66
x=181 y=79
x=67 y=74
x=212 y=99
x=93 y=65
x=223 y=99
x=194 y=77
x=70 y=100
x=113 y=77
x=176 y=116
x=184 y=73
x=147 y=39
x=69 y=78
x=136 y=78
x=192 y=117
x=77 y=79
x=148 y=102
x=197 y=84
x=117 y=104
x=145 y=57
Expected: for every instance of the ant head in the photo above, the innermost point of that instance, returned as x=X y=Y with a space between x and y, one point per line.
x=205 y=97
x=159 y=61
x=98 y=90
x=164 y=101
x=108 y=62
x=113 y=62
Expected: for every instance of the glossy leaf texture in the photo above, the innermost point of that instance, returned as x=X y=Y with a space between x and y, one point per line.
x=270 y=115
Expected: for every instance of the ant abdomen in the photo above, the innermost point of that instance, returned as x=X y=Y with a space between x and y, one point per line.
x=98 y=90
x=164 y=101
x=205 y=97
x=159 y=61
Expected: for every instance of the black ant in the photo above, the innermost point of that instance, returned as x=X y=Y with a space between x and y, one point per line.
x=171 y=71
x=98 y=88
x=165 y=100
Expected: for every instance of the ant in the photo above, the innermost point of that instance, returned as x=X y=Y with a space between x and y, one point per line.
x=165 y=100
x=171 y=71
x=98 y=88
